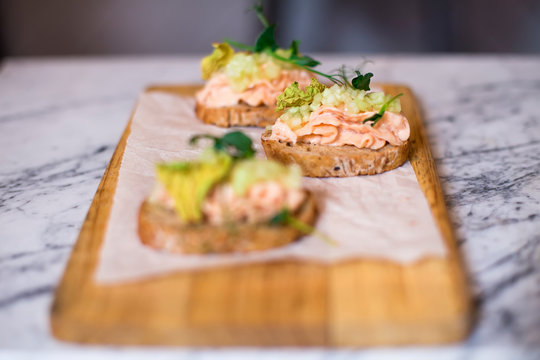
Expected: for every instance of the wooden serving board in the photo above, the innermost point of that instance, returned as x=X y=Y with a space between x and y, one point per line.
x=364 y=302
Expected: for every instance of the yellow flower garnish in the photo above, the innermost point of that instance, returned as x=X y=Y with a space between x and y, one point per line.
x=188 y=183
x=221 y=55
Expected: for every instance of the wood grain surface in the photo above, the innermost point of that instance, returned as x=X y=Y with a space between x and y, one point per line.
x=366 y=302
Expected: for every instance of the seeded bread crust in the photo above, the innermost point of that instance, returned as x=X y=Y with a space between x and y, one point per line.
x=238 y=115
x=160 y=228
x=335 y=161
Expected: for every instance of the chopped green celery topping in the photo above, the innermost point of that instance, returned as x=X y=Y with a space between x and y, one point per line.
x=352 y=100
x=248 y=172
x=243 y=69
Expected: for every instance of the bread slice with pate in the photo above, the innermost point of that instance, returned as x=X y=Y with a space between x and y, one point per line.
x=241 y=87
x=338 y=131
x=225 y=201
x=160 y=228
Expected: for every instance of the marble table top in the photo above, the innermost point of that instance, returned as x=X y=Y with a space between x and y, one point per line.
x=60 y=120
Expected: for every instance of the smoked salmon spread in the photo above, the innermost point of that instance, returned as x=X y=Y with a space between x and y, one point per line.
x=339 y=116
x=218 y=91
x=329 y=125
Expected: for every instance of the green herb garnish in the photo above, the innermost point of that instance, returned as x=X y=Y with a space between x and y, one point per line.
x=284 y=217
x=361 y=82
x=266 y=40
x=266 y=43
x=236 y=144
x=376 y=117
x=259 y=11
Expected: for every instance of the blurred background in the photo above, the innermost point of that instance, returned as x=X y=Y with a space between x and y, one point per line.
x=122 y=27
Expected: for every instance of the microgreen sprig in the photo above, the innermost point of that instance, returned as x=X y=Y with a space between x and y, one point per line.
x=235 y=143
x=259 y=11
x=266 y=43
x=359 y=82
x=376 y=117
x=284 y=217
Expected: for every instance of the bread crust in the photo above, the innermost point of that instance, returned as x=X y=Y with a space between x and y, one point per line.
x=335 y=161
x=161 y=229
x=237 y=115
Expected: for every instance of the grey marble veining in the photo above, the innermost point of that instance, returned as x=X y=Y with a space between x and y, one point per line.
x=60 y=120
x=491 y=177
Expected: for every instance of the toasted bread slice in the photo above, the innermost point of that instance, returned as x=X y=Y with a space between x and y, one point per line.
x=237 y=115
x=160 y=228
x=335 y=161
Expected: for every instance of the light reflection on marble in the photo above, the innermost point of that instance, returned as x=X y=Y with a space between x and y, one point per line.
x=60 y=120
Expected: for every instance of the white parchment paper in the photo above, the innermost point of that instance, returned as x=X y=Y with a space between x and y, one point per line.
x=383 y=216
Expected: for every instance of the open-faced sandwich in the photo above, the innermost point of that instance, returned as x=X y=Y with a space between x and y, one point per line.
x=343 y=130
x=242 y=87
x=225 y=201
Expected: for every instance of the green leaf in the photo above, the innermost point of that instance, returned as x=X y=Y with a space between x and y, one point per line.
x=266 y=43
x=361 y=82
x=266 y=40
x=284 y=217
x=260 y=14
x=376 y=117
x=386 y=104
x=281 y=218
x=304 y=61
x=293 y=96
x=238 y=145
x=235 y=143
x=238 y=45
x=294 y=48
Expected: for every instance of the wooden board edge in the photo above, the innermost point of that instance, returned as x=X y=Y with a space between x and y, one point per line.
x=436 y=196
x=60 y=317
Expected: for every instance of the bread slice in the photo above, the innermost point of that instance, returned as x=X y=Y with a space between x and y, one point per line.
x=160 y=228
x=237 y=115
x=335 y=161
